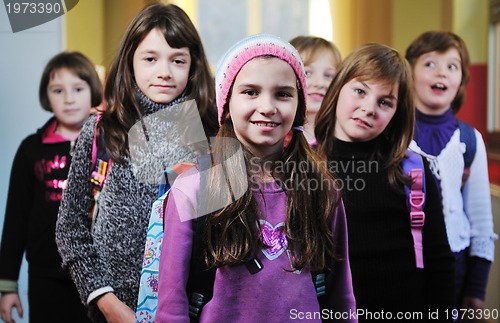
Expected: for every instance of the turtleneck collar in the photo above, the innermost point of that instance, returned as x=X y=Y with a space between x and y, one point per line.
x=436 y=119
x=433 y=132
x=149 y=106
x=365 y=150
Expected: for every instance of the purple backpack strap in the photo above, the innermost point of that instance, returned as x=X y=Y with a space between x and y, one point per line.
x=414 y=167
x=100 y=168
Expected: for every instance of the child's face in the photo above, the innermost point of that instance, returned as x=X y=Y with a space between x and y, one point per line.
x=263 y=104
x=319 y=75
x=364 y=109
x=70 y=99
x=437 y=80
x=161 y=72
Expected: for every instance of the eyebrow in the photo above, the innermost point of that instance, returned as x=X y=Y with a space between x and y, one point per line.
x=279 y=87
x=179 y=52
x=384 y=96
x=433 y=55
x=287 y=88
x=82 y=82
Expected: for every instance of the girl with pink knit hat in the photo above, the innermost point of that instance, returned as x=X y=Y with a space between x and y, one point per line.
x=261 y=235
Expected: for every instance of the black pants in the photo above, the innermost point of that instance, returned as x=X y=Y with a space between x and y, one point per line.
x=54 y=300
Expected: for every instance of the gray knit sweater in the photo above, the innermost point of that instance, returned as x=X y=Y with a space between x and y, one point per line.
x=112 y=254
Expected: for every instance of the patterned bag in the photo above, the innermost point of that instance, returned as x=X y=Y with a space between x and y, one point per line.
x=148 y=288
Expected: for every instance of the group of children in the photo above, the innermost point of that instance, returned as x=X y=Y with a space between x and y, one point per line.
x=271 y=222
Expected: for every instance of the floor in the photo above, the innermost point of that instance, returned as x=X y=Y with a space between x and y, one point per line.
x=493 y=290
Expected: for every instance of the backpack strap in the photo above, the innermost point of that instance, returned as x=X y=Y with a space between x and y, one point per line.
x=468 y=137
x=100 y=168
x=414 y=167
x=201 y=279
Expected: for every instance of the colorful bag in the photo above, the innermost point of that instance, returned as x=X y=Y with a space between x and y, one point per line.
x=148 y=288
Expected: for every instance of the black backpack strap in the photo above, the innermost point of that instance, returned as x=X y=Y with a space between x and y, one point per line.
x=201 y=279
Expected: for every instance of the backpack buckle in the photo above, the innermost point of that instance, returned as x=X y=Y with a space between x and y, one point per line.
x=320 y=284
x=97 y=178
x=196 y=303
x=417 y=219
x=417 y=199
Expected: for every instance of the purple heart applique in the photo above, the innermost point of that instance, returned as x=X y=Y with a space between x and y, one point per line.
x=274 y=237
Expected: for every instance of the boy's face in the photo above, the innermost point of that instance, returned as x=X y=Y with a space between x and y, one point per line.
x=437 y=78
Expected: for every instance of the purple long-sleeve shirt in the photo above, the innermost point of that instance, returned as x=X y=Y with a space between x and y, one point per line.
x=273 y=294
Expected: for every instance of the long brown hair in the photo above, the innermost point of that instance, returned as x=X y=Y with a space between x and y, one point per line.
x=441 y=41
x=233 y=232
x=382 y=63
x=123 y=108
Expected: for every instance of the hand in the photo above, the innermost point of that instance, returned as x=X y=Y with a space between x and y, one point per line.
x=114 y=310
x=473 y=304
x=7 y=302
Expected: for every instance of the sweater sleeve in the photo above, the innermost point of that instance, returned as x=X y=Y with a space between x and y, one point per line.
x=15 y=230
x=175 y=258
x=477 y=205
x=340 y=281
x=73 y=234
x=439 y=262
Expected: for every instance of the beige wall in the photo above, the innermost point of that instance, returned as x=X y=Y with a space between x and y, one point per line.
x=411 y=18
x=356 y=22
x=470 y=21
x=84 y=29
x=95 y=27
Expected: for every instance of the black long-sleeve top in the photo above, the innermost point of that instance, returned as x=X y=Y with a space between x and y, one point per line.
x=38 y=176
x=381 y=252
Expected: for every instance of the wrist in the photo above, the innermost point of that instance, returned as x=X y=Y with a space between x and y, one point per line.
x=103 y=300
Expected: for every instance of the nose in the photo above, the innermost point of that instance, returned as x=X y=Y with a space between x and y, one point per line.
x=266 y=105
x=441 y=70
x=68 y=97
x=164 y=70
x=369 y=108
x=318 y=81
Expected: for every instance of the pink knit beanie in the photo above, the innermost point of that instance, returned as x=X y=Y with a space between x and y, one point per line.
x=244 y=51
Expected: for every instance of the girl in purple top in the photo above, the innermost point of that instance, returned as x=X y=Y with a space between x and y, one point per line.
x=274 y=214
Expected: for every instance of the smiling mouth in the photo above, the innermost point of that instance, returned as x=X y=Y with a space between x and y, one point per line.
x=266 y=124
x=439 y=86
